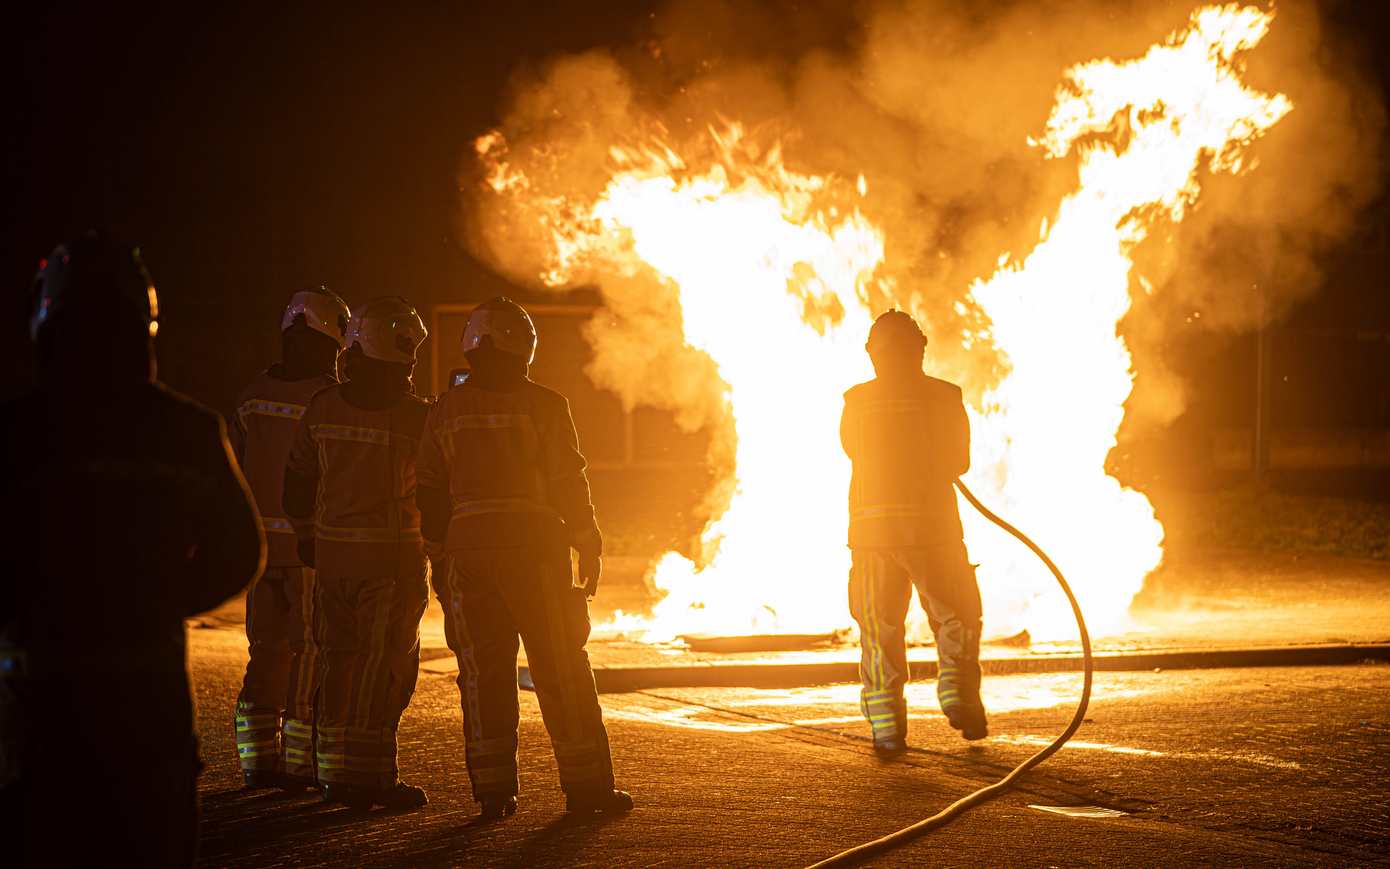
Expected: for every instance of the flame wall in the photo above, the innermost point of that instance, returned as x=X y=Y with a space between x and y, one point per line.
x=934 y=102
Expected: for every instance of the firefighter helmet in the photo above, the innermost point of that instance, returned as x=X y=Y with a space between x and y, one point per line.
x=92 y=277
x=895 y=329
x=323 y=311
x=388 y=329
x=506 y=323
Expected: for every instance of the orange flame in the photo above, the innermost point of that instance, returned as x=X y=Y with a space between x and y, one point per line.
x=773 y=269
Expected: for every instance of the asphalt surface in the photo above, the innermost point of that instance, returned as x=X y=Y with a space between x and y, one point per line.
x=1262 y=766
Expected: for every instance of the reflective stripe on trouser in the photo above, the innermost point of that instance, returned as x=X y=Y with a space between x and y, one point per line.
x=257 y=738
x=297 y=747
x=880 y=591
x=280 y=674
x=495 y=598
x=368 y=632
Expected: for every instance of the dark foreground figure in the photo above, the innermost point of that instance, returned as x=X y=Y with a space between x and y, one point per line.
x=125 y=515
x=503 y=490
x=908 y=437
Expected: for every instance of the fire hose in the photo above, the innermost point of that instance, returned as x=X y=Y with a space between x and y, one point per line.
x=866 y=850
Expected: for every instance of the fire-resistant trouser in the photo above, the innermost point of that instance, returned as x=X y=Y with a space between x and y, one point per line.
x=496 y=597
x=368 y=631
x=275 y=710
x=880 y=591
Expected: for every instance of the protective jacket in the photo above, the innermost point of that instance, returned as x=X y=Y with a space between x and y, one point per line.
x=526 y=476
x=364 y=520
x=908 y=438
x=267 y=416
x=164 y=517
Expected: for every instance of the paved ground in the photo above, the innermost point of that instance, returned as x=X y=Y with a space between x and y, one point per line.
x=1247 y=767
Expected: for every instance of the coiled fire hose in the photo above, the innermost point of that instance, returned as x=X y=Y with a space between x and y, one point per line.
x=862 y=852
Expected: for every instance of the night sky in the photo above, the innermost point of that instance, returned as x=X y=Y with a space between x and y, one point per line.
x=254 y=151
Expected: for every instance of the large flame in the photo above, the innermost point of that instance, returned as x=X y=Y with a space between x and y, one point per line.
x=773 y=270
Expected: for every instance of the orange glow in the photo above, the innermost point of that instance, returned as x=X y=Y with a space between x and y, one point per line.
x=773 y=269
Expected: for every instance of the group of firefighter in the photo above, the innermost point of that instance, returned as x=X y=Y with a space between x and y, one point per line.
x=341 y=496
x=367 y=492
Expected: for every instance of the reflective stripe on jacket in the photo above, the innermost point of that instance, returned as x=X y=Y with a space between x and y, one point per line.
x=511 y=464
x=907 y=440
x=365 y=518
x=262 y=433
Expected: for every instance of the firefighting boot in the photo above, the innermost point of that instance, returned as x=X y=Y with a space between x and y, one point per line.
x=352 y=796
x=397 y=797
x=891 y=747
x=614 y=801
x=258 y=779
x=496 y=808
x=293 y=784
x=958 y=689
x=401 y=796
x=887 y=714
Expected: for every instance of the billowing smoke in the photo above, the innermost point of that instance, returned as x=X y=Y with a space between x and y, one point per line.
x=933 y=103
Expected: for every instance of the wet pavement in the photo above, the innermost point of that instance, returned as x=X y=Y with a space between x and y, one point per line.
x=1278 y=766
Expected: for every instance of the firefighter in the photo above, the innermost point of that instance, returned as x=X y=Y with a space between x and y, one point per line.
x=126 y=514
x=349 y=491
x=274 y=712
x=503 y=491
x=908 y=437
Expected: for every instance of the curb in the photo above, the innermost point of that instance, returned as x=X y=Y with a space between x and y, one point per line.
x=617 y=680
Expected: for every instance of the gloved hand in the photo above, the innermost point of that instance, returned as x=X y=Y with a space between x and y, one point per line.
x=306 y=551
x=590 y=567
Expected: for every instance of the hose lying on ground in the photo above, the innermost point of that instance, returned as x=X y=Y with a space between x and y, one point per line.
x=868 y=849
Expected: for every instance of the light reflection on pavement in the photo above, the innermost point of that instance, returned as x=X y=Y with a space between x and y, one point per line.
x=1245 y=757
x=836 y=707
x=755 y=710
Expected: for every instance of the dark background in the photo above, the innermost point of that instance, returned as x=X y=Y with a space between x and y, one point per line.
x=253 y=151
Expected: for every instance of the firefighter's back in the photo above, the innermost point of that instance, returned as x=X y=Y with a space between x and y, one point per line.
x=907 y=438
x=502 y=448
x=114 y=488
x=367 y=519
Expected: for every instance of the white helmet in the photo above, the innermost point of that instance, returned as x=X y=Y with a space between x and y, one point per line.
x=506 y=323
x=324 y=311
x=388 y=329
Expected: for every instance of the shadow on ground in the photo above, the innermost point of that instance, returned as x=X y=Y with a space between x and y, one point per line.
x=567 y=834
